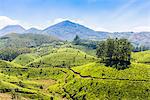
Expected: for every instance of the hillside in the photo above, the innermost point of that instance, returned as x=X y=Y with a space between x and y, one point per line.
x=59 y=70
x=25 y=59
x=63 y=57
x=25 y=40
x=142 y=57
x=67 y=30
x=70 y=30
x=58 y=76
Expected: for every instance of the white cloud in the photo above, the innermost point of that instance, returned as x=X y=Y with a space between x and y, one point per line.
x=4 y=21
x=101 y=29
x=141 y=28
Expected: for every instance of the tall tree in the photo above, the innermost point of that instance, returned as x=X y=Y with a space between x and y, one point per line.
x=115 y=52
x=76 y=40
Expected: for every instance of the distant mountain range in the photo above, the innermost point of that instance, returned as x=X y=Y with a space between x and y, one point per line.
x=67 y=30
x=12 y=29
x=33 y=30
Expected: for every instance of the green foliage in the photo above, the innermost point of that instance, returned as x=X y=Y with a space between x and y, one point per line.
x=141 y=57
x=115 y=52
x=90 y=44
x=88 y=89
x=11 y=53
x=76 y=40
x=25 y=59
x=6 y=64
x=63 y=72
x=63 y=57
x=25 y=40
x=96 y=70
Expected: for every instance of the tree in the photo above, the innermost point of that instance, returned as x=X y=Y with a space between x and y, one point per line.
x=76 y=40
x=115 y=52
x=101 y=50
x=11 y=53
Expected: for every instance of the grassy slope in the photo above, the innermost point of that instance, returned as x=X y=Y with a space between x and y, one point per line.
x=62 y=83
x=6 y=64
x=63 y=57
x=142 y=57
x=25 y=59
x=97 y=82
x=13 y=81
x=135 y=72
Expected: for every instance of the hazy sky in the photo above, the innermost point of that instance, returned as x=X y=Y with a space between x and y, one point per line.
x=100 y=15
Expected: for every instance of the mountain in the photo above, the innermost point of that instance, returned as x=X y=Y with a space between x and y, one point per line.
x=33 y=30
x=121 y=34
x=67 y=30
x=11 y=29
x=141 y=38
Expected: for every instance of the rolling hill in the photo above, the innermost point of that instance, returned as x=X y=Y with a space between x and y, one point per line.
x=25 y=40
x=24 y=59
x=63 y=57
x=141 y=57
x=50 y=77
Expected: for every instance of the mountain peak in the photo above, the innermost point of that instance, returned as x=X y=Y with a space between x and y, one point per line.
x=13 y=26
x=33 y=30
x=67 y=30
x=11 y=29
x=66 y=23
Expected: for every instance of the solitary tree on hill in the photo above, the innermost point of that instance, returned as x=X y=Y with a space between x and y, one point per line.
x=115 y=52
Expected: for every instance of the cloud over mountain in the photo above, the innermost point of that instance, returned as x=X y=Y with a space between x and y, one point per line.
x=4 y=21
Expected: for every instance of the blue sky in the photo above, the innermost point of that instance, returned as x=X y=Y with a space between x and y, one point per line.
x=100 y=15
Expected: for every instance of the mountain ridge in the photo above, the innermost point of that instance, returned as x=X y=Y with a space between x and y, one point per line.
x=12 y=29
x=67 y=30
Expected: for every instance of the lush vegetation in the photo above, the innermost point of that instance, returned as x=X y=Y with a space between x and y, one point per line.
x=63 y=57
x=70 y=71
x=115 y=52
x=25 y=40
x=142 y=57
x=24 y=59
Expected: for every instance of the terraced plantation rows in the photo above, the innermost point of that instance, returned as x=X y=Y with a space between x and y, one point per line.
x=71 y=74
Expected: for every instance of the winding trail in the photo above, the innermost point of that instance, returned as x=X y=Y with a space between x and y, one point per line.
x=90 y=77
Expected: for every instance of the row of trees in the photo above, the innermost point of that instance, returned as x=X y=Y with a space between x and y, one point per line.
x=9 y=54
x=115 y=52
x=87 y=43
x=141 y=48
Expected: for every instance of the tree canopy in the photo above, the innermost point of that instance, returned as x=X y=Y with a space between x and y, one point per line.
x=115 y=52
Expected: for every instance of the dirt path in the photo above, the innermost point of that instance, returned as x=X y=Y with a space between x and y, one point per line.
x=4 y=96
x=90 y=77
